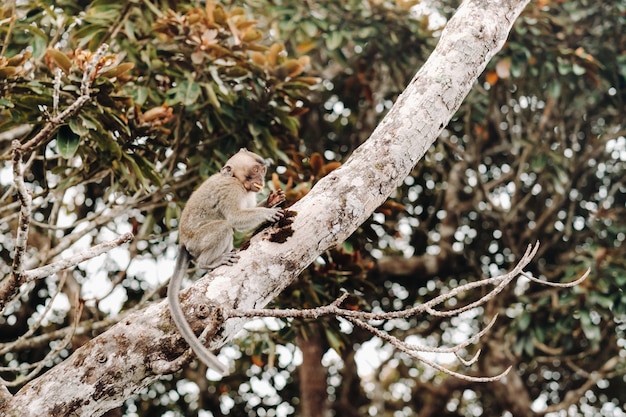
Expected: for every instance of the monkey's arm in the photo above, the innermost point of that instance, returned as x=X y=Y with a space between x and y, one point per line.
x=178 y=316
x=249 y=218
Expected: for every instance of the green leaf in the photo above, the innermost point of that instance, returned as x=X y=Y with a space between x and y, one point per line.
x=309 y=28
x=529 y=346
x=333 y=41
x=578 y=70
x=621 y=67
x=523 y=321
x=592 y=331
x=555 y=88
x=135 y=172
x=540 y=333
x=78 y=126
x=60 y=59
x=147 y=169
x=564 y=67
x=186 y=92
x=67 y=141
x=335 y=342
x=212 y=96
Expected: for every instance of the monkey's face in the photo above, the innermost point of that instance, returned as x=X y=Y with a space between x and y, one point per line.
x=253 y=179
x=248 y=168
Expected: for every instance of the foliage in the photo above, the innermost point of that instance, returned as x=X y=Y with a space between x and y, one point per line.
x=540 y=148
x=174 y=95
x=535 y=153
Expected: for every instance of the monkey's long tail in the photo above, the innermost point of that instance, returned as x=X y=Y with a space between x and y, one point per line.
x=173 y=291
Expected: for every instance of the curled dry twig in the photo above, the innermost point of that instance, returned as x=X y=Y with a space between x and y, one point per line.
x=362 y=318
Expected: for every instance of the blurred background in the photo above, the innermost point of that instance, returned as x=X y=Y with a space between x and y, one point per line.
x=536 y=153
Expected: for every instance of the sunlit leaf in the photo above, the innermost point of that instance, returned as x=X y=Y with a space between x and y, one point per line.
x=555 y=88
x=309 y=28
x=591 y=330
x=118 y=70
x=523 y=321
x=77 y=126
x=60 y=59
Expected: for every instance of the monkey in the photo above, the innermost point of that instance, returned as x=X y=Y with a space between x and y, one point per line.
x=225 y=202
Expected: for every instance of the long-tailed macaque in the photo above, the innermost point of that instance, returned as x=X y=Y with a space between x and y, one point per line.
x=225 y=202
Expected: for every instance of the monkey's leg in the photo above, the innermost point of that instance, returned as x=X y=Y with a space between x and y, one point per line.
x=213 y=245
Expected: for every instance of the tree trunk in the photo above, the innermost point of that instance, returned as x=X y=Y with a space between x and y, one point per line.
x=313 y=386
x=119 y=363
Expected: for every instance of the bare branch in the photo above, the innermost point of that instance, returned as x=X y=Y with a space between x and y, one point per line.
x=9 y=286
x=74 y=260
x=399 y=345
x=56 y=91
x=558 y=284
x=48 y=130
x=428 y=307
x=33 y=328
x=574 y=396
x=90 y=71
x=360 y=318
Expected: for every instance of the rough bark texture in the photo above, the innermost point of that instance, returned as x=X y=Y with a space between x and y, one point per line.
x=132 y=354
x=313 y=395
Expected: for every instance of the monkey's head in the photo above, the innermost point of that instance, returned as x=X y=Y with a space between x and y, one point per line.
x=249 y=168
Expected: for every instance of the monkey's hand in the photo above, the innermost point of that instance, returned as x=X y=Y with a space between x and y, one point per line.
x=274 y=214
x=275 y=198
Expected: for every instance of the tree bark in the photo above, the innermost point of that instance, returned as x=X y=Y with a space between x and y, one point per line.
x=145 y=345
x=313 y=386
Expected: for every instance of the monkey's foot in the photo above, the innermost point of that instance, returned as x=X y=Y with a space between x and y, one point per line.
x=229 y=258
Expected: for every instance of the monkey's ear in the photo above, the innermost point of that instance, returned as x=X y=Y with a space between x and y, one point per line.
x=243 y=150
x=227 y=171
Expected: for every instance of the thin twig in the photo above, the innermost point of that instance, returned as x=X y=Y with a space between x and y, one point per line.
x=395 y=342
x=74 y=260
